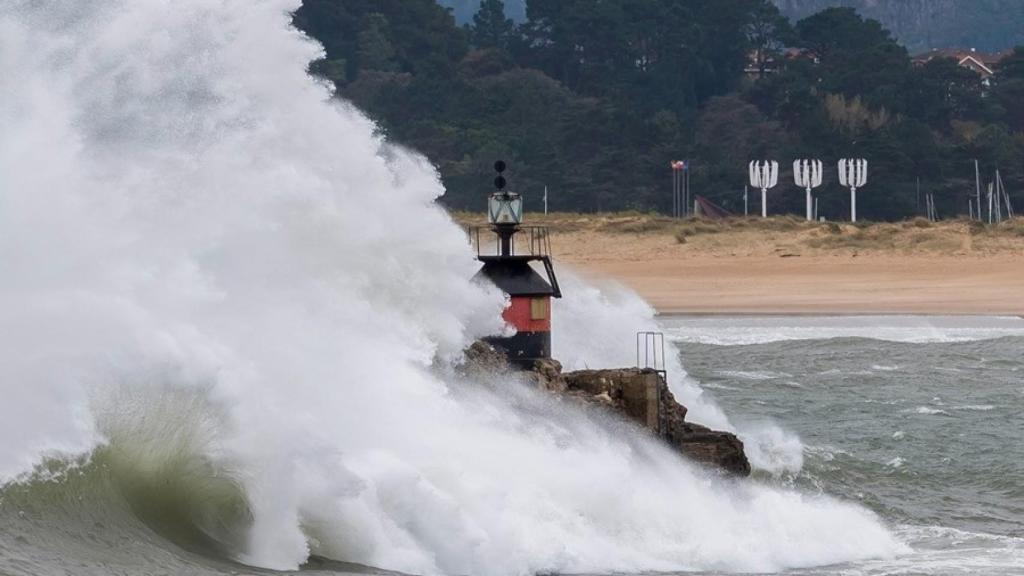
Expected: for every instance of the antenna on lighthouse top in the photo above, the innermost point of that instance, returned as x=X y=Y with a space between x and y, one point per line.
x=504 y=208
x=500 y=182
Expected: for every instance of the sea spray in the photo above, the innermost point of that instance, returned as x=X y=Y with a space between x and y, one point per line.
x=187 y=217
x=596 y=327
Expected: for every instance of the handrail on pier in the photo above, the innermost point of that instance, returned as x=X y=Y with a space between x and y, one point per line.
x=651 y=347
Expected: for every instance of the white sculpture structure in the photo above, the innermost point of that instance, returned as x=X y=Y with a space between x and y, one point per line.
x=853 y=174
x=764 y=175
x=808 y=175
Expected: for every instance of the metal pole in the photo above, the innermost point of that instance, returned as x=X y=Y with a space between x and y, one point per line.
x=1006 y=196
x=853 y=204
x=998 y=204
x=977 y=186
x=990 y=204
x=764 y=202
x=810 y=205
x=999 y=200
x=679 y=193
x=673 y=198
x=746 y=194
x=686 y=186
x=675 y=191
x=1003 y=209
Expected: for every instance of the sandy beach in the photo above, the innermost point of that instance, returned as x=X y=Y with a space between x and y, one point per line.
x=822 y=285
x=784 y=266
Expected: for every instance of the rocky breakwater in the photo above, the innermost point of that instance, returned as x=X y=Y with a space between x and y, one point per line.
x=639 y=395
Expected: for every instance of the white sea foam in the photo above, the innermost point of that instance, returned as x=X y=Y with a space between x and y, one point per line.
x=755 y=375
x=975 y=407
x=953 y=552
x=929 y=411
x=772 y=449
x=596 y=328
x=882 y=368
x=737 y=331
x=827 y=453
x=184 y=214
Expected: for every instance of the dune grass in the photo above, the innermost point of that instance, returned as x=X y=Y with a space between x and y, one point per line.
x=917 y=234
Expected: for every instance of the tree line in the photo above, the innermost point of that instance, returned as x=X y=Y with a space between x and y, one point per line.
x=593 y=100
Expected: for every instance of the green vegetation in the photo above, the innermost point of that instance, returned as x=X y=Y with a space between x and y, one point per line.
x=593 y=99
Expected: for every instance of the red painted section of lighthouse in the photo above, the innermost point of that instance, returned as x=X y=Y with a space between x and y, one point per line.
x=520 y=314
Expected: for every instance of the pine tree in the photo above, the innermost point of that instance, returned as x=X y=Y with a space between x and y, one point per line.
x=491 y=28
x=376 y=52
x=767 y=31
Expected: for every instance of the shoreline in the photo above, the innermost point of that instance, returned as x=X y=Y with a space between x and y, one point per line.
x=660 y=314
x=784 y=266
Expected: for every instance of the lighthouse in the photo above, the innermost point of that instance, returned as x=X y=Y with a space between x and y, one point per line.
x=513 y=261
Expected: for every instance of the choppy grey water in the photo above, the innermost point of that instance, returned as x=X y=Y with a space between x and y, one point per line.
x=919 y=419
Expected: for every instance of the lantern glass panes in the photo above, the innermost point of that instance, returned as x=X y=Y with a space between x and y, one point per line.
x=505 y=208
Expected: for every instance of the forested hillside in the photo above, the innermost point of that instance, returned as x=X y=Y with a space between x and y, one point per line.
x=594 y=100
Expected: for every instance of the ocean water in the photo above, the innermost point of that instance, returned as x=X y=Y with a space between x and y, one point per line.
x=920 y=419
x=233 y=316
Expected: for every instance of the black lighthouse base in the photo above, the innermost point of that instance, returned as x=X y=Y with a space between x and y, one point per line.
x=524 y=349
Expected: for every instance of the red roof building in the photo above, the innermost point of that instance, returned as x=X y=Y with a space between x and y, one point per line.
x=981 y=63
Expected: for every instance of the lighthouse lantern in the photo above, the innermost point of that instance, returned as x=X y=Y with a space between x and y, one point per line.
x=505 y=208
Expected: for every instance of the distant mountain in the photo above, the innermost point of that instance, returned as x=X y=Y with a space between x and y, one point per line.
x=464 y=9
x=990 y=25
